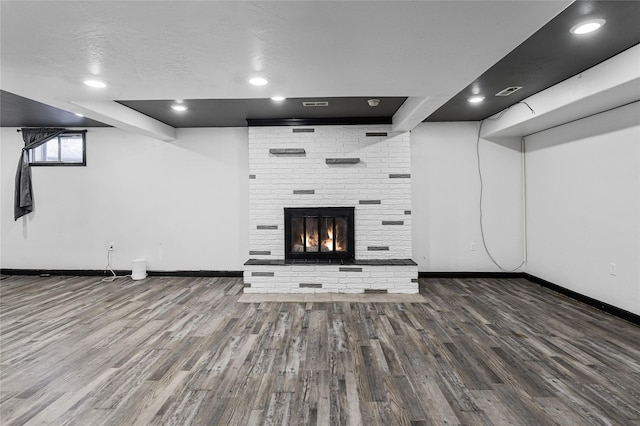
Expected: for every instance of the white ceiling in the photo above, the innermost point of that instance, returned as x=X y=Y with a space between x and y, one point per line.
x=146 y=50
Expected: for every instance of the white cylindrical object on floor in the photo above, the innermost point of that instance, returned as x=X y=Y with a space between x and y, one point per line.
x=139 y=269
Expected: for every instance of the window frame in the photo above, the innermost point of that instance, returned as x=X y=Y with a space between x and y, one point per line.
x=61 y=163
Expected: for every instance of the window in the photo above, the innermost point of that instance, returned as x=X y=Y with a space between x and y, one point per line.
x=67 y=149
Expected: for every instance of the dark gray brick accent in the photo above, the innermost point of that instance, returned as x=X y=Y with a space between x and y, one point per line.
x=414 y=280
x=376 y=134
x=304 y=191
x=252 y=176
x=378 y=248
x=374 y=291
x=247 y=285
x=407 y=212
x=399 y=175
x=393 y=222
x=267 y=227
x=259 y=253
x=262 y=262
x=309 y=285
x=287 y=151
x=304 y=130
x=369 y=202
x=346 y=269
x=262 y=274
x=342 y=160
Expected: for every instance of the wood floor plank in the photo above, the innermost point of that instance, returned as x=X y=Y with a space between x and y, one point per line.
x=497 y=410
x=186 y=351
x=53 y=413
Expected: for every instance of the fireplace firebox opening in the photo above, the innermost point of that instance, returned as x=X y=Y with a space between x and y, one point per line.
x=319 y=233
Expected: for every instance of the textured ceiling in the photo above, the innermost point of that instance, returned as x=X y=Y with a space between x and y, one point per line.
x=431 y=52
x=200 y=49
x=163 y=50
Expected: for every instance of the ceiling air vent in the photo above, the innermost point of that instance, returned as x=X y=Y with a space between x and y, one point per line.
x=315 y=104
x=508 y=91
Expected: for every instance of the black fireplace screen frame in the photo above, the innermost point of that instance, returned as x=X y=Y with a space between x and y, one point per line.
x=346 y=213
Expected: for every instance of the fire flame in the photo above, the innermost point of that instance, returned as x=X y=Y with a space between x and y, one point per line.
x=312 y=240
x=328 y=243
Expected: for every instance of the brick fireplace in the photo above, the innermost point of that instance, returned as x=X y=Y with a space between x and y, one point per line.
x=328 y=168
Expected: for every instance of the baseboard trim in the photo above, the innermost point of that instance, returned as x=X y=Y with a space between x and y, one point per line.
x=613 y=310
x=232 y=274
x=101 y=273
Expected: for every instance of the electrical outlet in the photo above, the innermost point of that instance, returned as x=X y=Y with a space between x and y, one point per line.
x=612 y=269
x=473 y=247
x=111 y=247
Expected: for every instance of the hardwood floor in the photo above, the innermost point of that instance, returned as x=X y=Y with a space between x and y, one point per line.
x=182 y=351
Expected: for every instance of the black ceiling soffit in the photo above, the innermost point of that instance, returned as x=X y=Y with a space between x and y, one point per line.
x=548 y=57
x=266 y=112
x=22 y=112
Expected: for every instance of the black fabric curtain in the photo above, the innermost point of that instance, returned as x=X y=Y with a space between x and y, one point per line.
x=33 y=138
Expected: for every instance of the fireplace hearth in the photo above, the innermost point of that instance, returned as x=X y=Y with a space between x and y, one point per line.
x=319 y=233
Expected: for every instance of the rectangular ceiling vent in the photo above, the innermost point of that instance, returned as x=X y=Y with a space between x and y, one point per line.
x=508 y=91
x=315 y=104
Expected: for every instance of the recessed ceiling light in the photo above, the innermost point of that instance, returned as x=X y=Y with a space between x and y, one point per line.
x=278 y=98
x=97 y=84
x=179 y=107
x=258 y=81
x=475 y=99
x=79 y=115
x=587 y=26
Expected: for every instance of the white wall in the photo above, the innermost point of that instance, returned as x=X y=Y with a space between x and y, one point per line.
x=445 y=199
x=180 y=205
x=583 y=181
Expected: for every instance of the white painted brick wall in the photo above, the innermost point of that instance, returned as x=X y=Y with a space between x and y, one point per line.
x=274 y=178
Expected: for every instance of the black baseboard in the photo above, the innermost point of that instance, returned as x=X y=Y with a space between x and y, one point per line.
x=195 y=273
x=610 y=309
x=471 y=275
x=101 y=273
x=613 y=310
